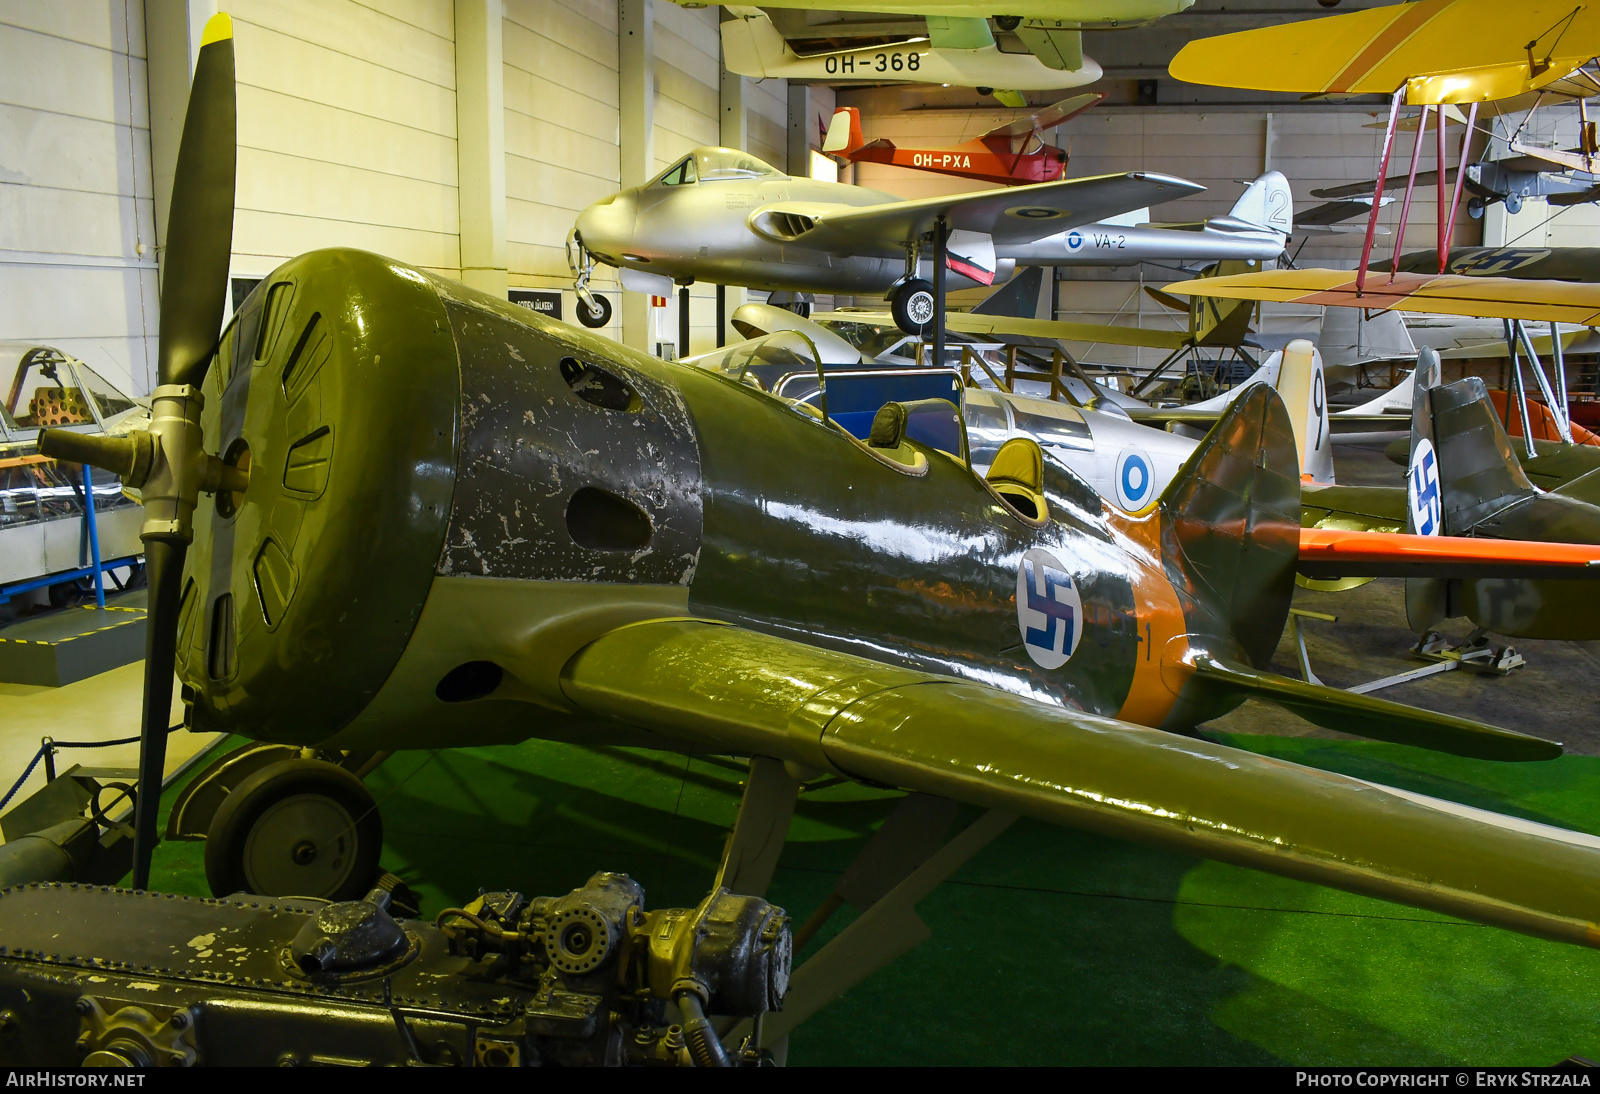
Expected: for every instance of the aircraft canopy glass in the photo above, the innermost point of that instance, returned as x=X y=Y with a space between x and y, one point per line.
x=729 y=163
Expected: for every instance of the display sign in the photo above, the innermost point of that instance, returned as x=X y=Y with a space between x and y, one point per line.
x=547 y=302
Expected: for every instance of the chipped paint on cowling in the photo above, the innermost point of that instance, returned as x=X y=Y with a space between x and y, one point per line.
x=529 y=442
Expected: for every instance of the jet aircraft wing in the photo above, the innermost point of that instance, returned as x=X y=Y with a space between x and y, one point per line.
x=731 y=688
x=1447 y=294
x=1018 y=214
x=1443 y=51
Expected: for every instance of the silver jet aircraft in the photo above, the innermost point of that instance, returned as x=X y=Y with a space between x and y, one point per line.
x=724 y=216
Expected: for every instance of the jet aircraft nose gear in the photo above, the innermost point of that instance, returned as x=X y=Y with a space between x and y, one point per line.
x=593 y=311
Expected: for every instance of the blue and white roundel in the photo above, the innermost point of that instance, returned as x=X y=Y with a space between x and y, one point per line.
x=1074 y=240
x=1422 y=491
x=1136 y=479
x=1049 y=610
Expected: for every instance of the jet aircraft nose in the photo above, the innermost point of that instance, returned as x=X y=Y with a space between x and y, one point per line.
x=605 y=226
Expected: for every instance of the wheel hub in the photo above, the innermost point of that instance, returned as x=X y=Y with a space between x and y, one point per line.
x=304 y=845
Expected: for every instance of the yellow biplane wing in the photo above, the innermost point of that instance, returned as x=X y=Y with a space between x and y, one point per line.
x=1443 y=51
x=1447 y=294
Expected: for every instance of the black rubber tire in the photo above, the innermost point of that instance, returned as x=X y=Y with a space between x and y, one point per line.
x=1012 y=22
x=595 y=319
x=245 y=806
x=984 y=90
x=912 y=307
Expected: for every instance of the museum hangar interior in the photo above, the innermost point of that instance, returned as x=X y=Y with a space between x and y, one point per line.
x=641 y=532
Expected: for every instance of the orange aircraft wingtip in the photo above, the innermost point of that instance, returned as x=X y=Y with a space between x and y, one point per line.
x=1332 y=553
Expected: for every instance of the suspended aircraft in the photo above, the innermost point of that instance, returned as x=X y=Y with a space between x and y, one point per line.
x=959 y=48
x=1511 y=181
x=389 y=511
x=956 y=52
x=726 y=217
x=1016 y=152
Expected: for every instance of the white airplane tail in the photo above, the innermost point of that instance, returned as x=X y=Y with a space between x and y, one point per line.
x=1305 y=393
x=1267 y=203
x=750 y=43
x=1296 y=372
x=844 y=132
x=1350 y=337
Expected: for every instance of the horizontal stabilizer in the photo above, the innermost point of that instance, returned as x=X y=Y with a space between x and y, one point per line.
x=1332 y=553
x=1371 y=717
x=727 y=688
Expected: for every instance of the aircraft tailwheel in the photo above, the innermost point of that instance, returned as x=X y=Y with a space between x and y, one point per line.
x=912 y=306
x=599 y=317
x=296 y=828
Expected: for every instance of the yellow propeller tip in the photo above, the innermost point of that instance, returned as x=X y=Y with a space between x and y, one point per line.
x=218 y=28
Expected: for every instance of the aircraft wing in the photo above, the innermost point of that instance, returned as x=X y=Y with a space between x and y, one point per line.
x=1008 y=326
x=1448 y=294
x=1048 y=118
x=735 y=690
x=1364 y=189
x=1451 y=51
x=1017 y=214
x=1162 y=417
x=1359 y=508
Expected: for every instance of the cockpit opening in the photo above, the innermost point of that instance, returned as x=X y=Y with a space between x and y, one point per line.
x=715 y=165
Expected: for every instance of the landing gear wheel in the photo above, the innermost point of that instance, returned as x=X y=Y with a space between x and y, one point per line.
x=984 y=90
x=1008 y=22
x=296 y=828
x=597 y=318
x=1475 y=207
x=1513 y=204
x=912 y=307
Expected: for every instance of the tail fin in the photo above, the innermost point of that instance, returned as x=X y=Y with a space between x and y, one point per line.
x=1305 y=393
x=1231 y=521
x=1221 y=322
x=1351 y=336
x=1267 y=203
x=751 y=45
x=1025 y=296
x=1234 y=514
x=1462 y=469
x=844 y=132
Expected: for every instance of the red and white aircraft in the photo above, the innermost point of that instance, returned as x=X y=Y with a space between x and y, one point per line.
x=1014 y=153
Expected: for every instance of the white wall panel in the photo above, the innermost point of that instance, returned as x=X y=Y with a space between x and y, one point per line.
x=347 y=126
x=562 y=121
x=77 y=267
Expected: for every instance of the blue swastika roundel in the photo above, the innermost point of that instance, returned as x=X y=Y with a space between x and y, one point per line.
x=1049 y=610
x=1422 y=491
x=1135 y=479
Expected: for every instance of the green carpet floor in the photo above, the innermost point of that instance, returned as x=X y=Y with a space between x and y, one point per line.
x=1050 y=947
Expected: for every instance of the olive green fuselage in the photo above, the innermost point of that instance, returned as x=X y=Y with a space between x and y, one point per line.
x=450 y=496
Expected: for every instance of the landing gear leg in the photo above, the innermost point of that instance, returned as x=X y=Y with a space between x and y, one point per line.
x=593 y=311
x=899 y=866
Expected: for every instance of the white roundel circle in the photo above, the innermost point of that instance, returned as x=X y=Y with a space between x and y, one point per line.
x=1074 y=240
x=1422 y=491
x=1049 y=610
x=1136 y=478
